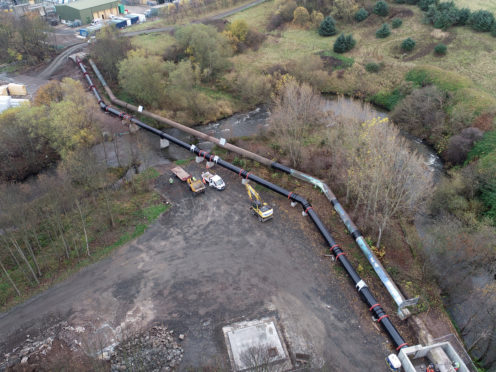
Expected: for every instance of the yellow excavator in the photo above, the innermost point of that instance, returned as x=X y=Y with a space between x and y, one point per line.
x=258 y=207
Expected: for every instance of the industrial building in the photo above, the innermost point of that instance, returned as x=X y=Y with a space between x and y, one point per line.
x=87 y=10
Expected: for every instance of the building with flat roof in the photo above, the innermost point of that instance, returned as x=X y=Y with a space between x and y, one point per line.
x=87 y=10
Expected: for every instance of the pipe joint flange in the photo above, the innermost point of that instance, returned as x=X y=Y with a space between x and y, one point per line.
x=360 y=285
x=216 y=159
x=192 y=148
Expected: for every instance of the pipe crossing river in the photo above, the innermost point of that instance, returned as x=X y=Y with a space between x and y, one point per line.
x=374 y=307
x=403 y=311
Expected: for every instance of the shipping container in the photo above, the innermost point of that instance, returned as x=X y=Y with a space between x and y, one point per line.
x=127 y=20
x=134 y=19
x=90 y=30
x=119 y=23
x=141 y=17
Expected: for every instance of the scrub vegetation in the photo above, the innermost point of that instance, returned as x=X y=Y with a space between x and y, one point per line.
x=74 y=213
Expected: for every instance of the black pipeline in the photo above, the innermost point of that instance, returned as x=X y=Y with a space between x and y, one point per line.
x=362 y=288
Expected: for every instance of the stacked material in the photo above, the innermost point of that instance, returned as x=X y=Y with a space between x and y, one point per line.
x=7 y=102
x=17 y=89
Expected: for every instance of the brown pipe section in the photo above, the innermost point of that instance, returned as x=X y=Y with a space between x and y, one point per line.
x=184 y=128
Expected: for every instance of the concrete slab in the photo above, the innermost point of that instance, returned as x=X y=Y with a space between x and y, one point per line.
x=255 y=343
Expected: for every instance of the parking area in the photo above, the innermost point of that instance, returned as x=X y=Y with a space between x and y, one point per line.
x=206 y=264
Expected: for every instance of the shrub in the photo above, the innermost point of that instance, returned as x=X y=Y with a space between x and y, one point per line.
x=316 y=18
x=275 y=22
x=251 y=89
x=286 y=9
x=482 y=20
x=344 y=43
x=344 y=9
x=388 y=100
x=460 y=145
x=422 y=113
x=407 y=45
x=310 y=69
x=443 y=15
x=424 y=4
x=412 y=2
x=463 y=17
x=383 y=32
x=381 y=8
x=493 y=30
x=399 y=1
x=327 y=27
x=239 y=29
x=397 y=22
x=301 y=16
x=361 y=15
x=372 y=67
x=440 y=49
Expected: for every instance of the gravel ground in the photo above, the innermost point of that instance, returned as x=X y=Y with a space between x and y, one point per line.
x=205 y=264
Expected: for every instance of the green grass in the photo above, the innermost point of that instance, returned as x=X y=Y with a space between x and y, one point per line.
x=388 y=100
x=346 y=61
x=444 y=80
x=183 y=161
x=153 y=43
x=483 y=147
x=477 y=4
x=217 y=94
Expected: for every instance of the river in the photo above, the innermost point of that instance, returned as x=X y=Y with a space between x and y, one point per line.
x=255 y=121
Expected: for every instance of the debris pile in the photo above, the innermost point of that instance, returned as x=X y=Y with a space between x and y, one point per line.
x=153 y=350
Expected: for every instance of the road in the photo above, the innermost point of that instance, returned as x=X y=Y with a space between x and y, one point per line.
x=60 y=59
x=205 y=264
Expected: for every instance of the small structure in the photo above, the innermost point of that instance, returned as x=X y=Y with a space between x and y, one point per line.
x=7 y=102
x=87 y=10
x=417 y=358
x=9 y=96
x=256 y=344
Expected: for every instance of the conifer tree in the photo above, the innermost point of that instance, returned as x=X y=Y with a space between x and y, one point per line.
x=327 y=27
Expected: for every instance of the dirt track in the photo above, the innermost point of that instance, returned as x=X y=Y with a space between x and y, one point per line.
x=205 y=264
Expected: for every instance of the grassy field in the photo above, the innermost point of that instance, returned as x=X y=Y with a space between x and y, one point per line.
x=477 y=4
x=474 y=57
x=153 y=43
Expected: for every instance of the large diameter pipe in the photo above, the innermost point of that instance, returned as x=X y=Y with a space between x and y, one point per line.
x=174 y=124
x=391 y=287
x=362 y=288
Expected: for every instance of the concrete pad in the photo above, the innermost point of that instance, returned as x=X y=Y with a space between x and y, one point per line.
x=254 y=343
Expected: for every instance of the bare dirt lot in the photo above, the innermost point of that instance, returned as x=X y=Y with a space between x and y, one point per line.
x=205 y=264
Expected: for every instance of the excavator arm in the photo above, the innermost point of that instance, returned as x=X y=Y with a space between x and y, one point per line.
x=252 y=193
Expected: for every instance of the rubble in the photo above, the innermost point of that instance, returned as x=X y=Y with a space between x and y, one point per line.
x=152 y=350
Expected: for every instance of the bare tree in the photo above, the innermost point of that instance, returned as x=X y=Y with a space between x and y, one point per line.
x=385 y=178
x=297 y=109
x=10 y=279
x=262 y=358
